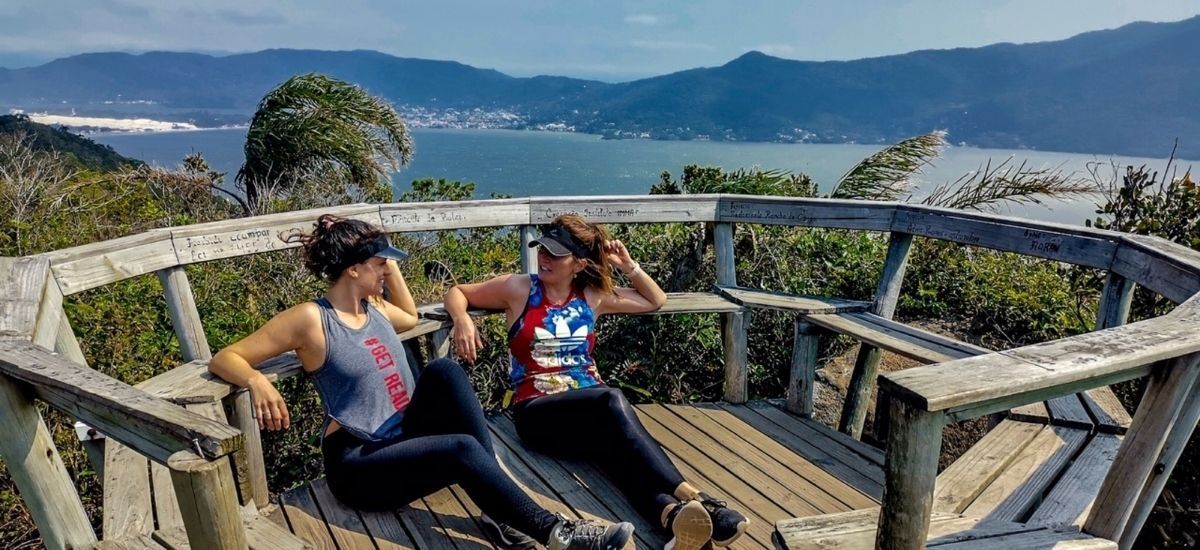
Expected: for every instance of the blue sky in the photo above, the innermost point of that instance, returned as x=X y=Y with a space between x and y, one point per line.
x=609 y=40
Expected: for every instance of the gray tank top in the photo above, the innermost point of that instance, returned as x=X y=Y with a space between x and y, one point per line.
x=365 y=383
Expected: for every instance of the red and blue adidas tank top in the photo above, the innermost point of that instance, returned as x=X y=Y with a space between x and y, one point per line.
x=550 y=345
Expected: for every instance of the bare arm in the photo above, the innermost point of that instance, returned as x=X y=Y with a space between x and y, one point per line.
x=400 y=307
x=645 y=295
x=496 y=293
x=235 y=364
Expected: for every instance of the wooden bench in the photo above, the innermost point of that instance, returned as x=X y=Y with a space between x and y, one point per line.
x=946 y=532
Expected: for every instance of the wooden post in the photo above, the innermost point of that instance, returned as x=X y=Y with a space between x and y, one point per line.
x=241 y=416
x=1181 y=434
x=910 y=470
x=804 y=367
x=1115 y=301
x=184 y=317
x=866 y=365
x=733 y=325
x=439 y=341
x=207 y=501
x=38 y=471
x=1125 y=487
x=528 y=255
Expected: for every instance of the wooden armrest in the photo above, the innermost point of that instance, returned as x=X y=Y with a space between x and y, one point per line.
x=750 y=297
x=996 y=382
x=143 y=422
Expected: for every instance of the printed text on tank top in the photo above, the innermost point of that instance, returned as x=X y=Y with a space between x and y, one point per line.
x=550 y=345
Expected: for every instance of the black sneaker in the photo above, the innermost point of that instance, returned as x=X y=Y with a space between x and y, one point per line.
x=727 y=524
x=506 y=536
x=586 y=534
x=690 y=525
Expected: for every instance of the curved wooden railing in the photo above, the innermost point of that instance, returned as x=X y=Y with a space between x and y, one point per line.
x=920 y=401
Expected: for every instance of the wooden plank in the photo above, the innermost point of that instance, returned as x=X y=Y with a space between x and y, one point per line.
x=128 y=507
x=962 y=482
x=263 y=533
x=695 y=302
x=1176 y=440
x=252 y=482
x=387 y=531
x=172 y=539
x=92 y=265
x=1018 y=488
x=1038 y=240
x=22 y=285
x=192 y=382
x=457 y=524
x=1172 y=269
x=809 y=212
x=1068 y=410
x=736 y=351
x=1035 y=412
x=570 y=488
x=36 y=468
x=1115 y=301
x=895 y=337
x=1011 y=377
x=51 y=319
x=245 y=236
x=305 y=518
x=924 y=337
x=857 y=530
x=626 y=209
x=783 y=301
x=166 y=507
x=914 y=444
x=430 y=216
x=1106 y=408
x=135 y=542
x=1070 y=501
x=1162 y=404
x=1032 y=540
x=811 y=484
x=344 y=524
x=717 y=462
x=838 y=461
x=150 y=425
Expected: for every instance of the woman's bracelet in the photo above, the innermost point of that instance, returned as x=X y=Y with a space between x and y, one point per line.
x=632 y=272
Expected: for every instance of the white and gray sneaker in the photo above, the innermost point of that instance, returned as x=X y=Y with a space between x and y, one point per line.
x=586 y=534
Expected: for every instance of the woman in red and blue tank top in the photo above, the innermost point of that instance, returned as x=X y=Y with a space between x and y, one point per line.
x=560 y=402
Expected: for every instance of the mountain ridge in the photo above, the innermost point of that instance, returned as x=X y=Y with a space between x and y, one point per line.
x=1129 y=90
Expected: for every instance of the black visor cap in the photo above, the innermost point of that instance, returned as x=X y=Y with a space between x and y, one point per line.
x=560 y=242
x=383 y=248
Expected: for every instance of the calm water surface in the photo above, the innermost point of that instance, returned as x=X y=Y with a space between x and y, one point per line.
x=523 y=163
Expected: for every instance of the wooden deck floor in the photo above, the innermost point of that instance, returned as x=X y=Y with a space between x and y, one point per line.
x=767 y=463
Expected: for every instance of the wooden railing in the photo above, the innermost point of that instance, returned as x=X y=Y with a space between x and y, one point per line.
x=920 y=401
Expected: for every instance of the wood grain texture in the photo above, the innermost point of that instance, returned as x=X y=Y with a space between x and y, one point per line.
x=92 y=265
x=154 y=427
x=431 y=216
x=914 y=444
x=37 y=470
x=1043 y=240
x=782 y=301
x=1071 y=499
x=244 y=236
x=963 y=481
x=808 y=212
x=626 y=209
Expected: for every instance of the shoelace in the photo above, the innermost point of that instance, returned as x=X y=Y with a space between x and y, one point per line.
x=581 y=528
x=710 y=501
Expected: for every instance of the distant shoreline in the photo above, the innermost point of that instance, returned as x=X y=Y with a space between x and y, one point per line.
x=90 y=124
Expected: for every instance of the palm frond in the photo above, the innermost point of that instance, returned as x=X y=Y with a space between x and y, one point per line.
x=887 y=175
x=987 y=188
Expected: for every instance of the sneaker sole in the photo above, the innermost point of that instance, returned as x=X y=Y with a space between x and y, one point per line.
x=692 y=528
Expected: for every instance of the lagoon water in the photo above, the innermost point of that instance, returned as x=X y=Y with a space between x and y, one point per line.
x=526 y=163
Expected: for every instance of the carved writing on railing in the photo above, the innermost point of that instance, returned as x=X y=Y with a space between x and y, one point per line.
x=450 y=216
x=658 y=208
x=812 y=213
x=202 y=248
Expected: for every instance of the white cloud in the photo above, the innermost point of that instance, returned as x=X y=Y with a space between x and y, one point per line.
x=670 y=45
x=647 y=19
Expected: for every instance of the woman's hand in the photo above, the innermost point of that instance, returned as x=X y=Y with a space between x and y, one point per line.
x=269 y=407
x=618 y=256
x=467 y=340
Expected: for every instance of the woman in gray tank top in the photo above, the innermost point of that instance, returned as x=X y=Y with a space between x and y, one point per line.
x=391 y=435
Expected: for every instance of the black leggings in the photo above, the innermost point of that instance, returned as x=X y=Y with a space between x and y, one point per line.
x=598 y=424
x=445 y=441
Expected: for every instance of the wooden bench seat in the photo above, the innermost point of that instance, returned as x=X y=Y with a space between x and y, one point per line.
x=947 y=531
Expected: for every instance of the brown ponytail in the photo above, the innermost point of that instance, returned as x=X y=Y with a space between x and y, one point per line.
x=334 y=244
